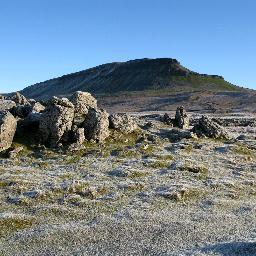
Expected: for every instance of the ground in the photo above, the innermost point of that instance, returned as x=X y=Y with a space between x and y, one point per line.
x=146 y=193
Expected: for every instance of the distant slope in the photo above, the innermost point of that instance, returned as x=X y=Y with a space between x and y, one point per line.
x=153 y=75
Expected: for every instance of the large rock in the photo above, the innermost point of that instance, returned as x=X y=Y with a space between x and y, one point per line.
x=8 y=126
x=77 y=135
x=56 y=121
x=82 y=101
x=23 y=111
x=167 y=119
x=19 y=99
x=209 y=128
x=96 y=125
x=181 y=118
x=177 y=134
x=37 y=107
x=6 y=104
x=122 y=122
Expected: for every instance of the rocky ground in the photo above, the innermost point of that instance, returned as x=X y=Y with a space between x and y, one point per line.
x=154 y=191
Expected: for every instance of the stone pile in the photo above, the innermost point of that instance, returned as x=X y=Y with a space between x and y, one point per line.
x=181 y=119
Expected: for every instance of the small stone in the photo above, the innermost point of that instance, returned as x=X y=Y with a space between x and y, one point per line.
x=13 y=153
x=33 y=193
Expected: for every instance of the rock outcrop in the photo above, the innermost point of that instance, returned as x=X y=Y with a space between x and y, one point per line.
x=227 y=121
x=123 y=123
x=56 y=121
x=19 y=99
x=8 y=125
x=181 y=118
x=21 y=111
x=178 y=134
x=96 y=125
x=82 y=101
x=209 y=128
x=6 y=104
x=37 y=107
x=167 y=119
x=77 y=135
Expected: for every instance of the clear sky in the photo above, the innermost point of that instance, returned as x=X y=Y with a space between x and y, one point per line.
x=42 y=39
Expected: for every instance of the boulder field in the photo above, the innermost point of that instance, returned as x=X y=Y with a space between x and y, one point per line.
x=72 y=121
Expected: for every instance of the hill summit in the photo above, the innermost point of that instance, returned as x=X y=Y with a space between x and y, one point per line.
x=136 y=75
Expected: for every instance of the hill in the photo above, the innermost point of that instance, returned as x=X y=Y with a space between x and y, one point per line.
x=145 y=84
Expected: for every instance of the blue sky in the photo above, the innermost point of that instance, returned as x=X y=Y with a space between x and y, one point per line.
x=49 y=38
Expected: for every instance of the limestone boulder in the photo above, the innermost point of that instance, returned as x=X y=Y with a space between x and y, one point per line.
x=96 y=125
x=22 y=111
x=123 y=123
x=6 y=104
x=56 y=121
x=82 y=102
x=8 y=125
x=181 y=118
x=19 y=99
x=77 y=135
x=208 y=128
x=167 y=119
x=37 y=107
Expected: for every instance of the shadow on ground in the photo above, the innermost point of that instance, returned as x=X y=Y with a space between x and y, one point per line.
x=232 y=249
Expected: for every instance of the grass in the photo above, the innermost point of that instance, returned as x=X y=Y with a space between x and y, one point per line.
x=14 y=223
x=43 y=164
x=123 y=153
x=185 y=195
x=193 y=168
x=200 y=171
x=241 y=149
x=190 y=83
x=4 y=184
x=137 y=174
x=159 y=164
x=164 y=157
x=73 y=159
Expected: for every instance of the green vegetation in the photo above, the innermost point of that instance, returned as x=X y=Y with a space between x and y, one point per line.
x=137 y=174
x=200 y=170
x=242 y=149
x=14 y=223
x=159 y=164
